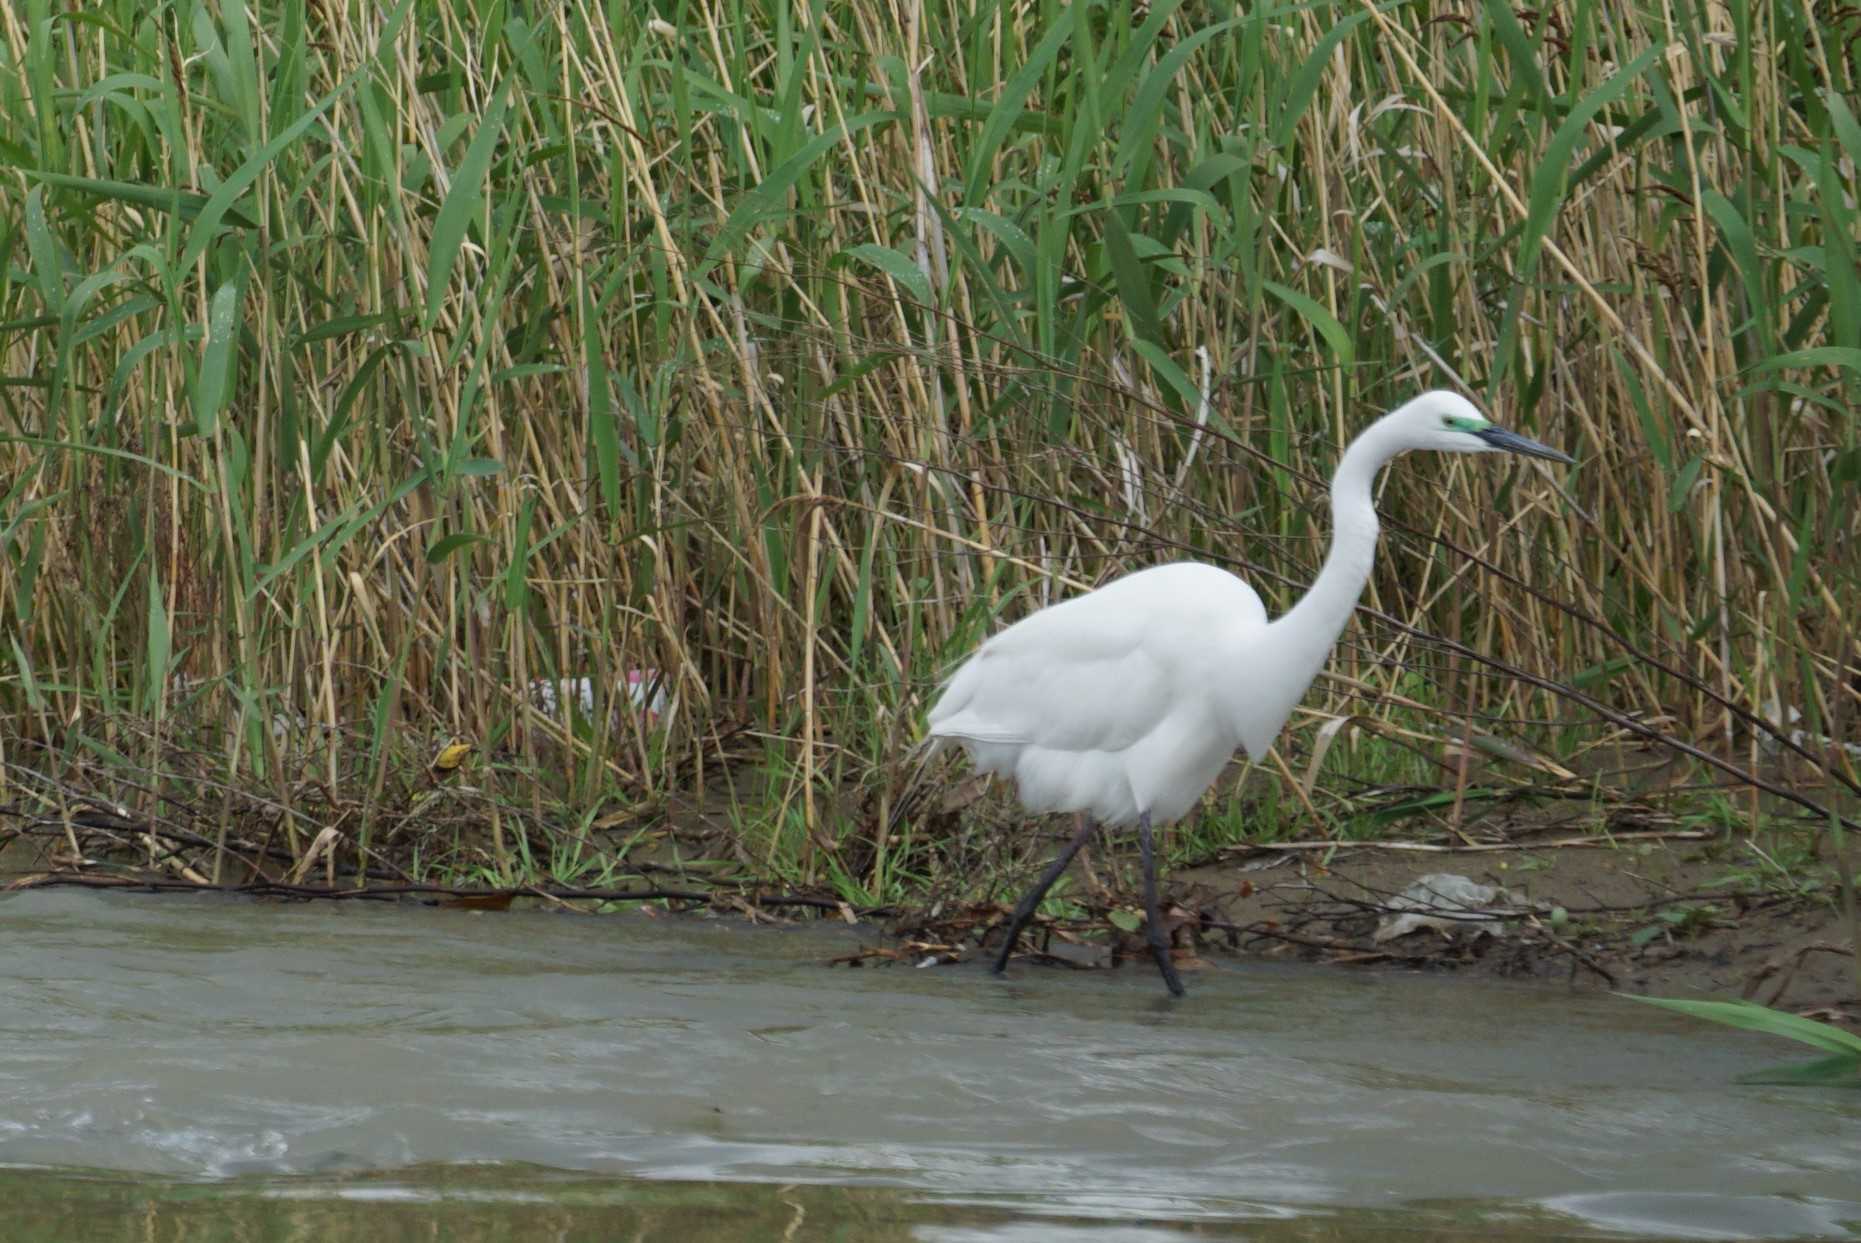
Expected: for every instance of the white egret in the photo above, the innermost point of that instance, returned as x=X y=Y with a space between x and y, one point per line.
x=1125 y=703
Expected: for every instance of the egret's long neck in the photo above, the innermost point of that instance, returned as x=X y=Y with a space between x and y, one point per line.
x=1275 y=669
x=1314 y=623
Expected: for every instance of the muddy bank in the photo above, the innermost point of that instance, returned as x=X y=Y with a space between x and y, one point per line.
x=1670 y=916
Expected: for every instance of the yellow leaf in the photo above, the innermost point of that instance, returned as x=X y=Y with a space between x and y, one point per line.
x=452 y=755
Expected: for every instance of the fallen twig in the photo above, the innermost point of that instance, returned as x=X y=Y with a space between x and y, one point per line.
x=267 y=888
x=1788 y=962
x=1590 y=841
x=1576 y=955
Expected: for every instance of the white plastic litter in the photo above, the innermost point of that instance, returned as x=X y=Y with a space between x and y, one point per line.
x=1450 y=904
x=647 y=690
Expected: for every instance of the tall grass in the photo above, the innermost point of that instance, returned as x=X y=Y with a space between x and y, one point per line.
x=364 y=366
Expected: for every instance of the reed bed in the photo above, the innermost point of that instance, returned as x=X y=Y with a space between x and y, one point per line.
x=373 y=375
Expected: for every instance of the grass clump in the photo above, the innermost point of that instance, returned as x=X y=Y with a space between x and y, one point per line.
x=365 y=369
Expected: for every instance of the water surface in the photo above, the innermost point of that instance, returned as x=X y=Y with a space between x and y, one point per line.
x=215 y=1068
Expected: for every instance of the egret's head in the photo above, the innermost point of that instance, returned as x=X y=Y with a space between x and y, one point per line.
x=1450 y=423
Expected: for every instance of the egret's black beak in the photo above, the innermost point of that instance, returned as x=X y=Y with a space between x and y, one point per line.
x=1512 y=442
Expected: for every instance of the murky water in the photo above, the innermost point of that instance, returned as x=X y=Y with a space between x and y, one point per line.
x=211 y=1069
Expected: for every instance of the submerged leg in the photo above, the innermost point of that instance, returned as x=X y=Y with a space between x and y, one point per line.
x=1153 y=921
x=1024 y=910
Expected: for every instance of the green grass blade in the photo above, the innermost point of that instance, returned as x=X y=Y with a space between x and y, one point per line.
x=1547 y=183
x=464 y=197
x=158 y=644
x=1751 y=1016
x=895 y=265
x=206 y=226
x=216 y=365
x=769 y=198
x=187 y=204
x=1841 y=1071
x=1318 y=317
x=1009 y=106
x=1131 y=280
x=1304 y=82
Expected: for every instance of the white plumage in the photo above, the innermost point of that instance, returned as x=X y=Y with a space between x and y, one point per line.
x=1125 y=703
x=1103 y=703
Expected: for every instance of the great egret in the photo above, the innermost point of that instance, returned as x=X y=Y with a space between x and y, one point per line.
x=1124 y=704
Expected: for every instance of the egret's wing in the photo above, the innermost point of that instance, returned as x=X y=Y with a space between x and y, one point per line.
x=1073 y=677
x=1100 y=671
x=1083 y=705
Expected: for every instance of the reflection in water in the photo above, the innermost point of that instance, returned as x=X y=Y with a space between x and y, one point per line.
x=349 y=1071
x=475 y=1205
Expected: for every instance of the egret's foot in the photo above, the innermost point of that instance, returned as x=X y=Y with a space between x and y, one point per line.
x=1030 y=902
x=1153 y=920
x=1160 y=950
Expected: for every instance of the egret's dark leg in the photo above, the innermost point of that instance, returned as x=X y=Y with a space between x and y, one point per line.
x=1153 y=921
x=1024 y=910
